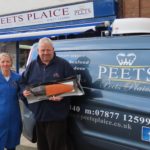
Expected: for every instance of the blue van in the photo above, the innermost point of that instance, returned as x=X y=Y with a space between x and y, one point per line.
x=114 y=113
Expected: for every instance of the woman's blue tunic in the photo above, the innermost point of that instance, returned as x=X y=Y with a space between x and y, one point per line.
x=10 y=117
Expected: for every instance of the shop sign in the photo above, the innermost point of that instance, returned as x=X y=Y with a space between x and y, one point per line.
x=51 y=15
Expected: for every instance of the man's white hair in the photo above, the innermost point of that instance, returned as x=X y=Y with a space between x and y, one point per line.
x=45 y=40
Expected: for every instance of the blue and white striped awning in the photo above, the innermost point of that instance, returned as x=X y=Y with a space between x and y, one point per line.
x=37 y=34
x=41 y=31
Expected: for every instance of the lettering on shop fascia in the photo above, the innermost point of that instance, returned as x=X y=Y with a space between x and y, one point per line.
x=59 y=14
x=125 y=74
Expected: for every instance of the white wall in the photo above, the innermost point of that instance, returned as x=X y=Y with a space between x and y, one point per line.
x=12 y=6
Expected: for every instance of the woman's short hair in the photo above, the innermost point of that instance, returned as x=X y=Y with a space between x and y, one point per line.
x=3 y=54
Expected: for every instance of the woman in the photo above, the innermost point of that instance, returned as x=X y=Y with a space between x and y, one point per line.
x=10 y=117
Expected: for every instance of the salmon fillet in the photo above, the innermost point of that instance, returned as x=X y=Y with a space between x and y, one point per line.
x=55 y=89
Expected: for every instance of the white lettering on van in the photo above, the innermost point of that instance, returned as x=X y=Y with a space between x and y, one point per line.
x=126 y=73
x=138 y=72
x=113 y=73
x=148 y=72
x=102 y=70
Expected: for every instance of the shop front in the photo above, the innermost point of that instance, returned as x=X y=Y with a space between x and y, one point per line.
x=18 y=31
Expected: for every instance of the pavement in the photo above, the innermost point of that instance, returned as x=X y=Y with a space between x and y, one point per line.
x=26 y=145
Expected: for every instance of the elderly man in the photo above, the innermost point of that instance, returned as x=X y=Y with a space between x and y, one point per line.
x=51 y=114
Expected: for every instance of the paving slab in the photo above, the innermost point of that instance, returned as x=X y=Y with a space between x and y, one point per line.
x=26 y=145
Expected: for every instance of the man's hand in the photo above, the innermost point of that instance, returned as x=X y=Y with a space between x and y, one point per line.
x=55 y=98
x=26 y=93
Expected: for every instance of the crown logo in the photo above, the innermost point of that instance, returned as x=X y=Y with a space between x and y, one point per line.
x=126 y=59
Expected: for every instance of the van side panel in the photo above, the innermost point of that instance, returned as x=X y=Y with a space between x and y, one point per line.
x=114 y=112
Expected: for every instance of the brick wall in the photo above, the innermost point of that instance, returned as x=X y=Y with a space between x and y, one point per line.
x=133 y=8
x=145 y=8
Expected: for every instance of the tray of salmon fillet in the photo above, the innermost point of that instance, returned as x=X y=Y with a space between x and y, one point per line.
x=63 y=87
